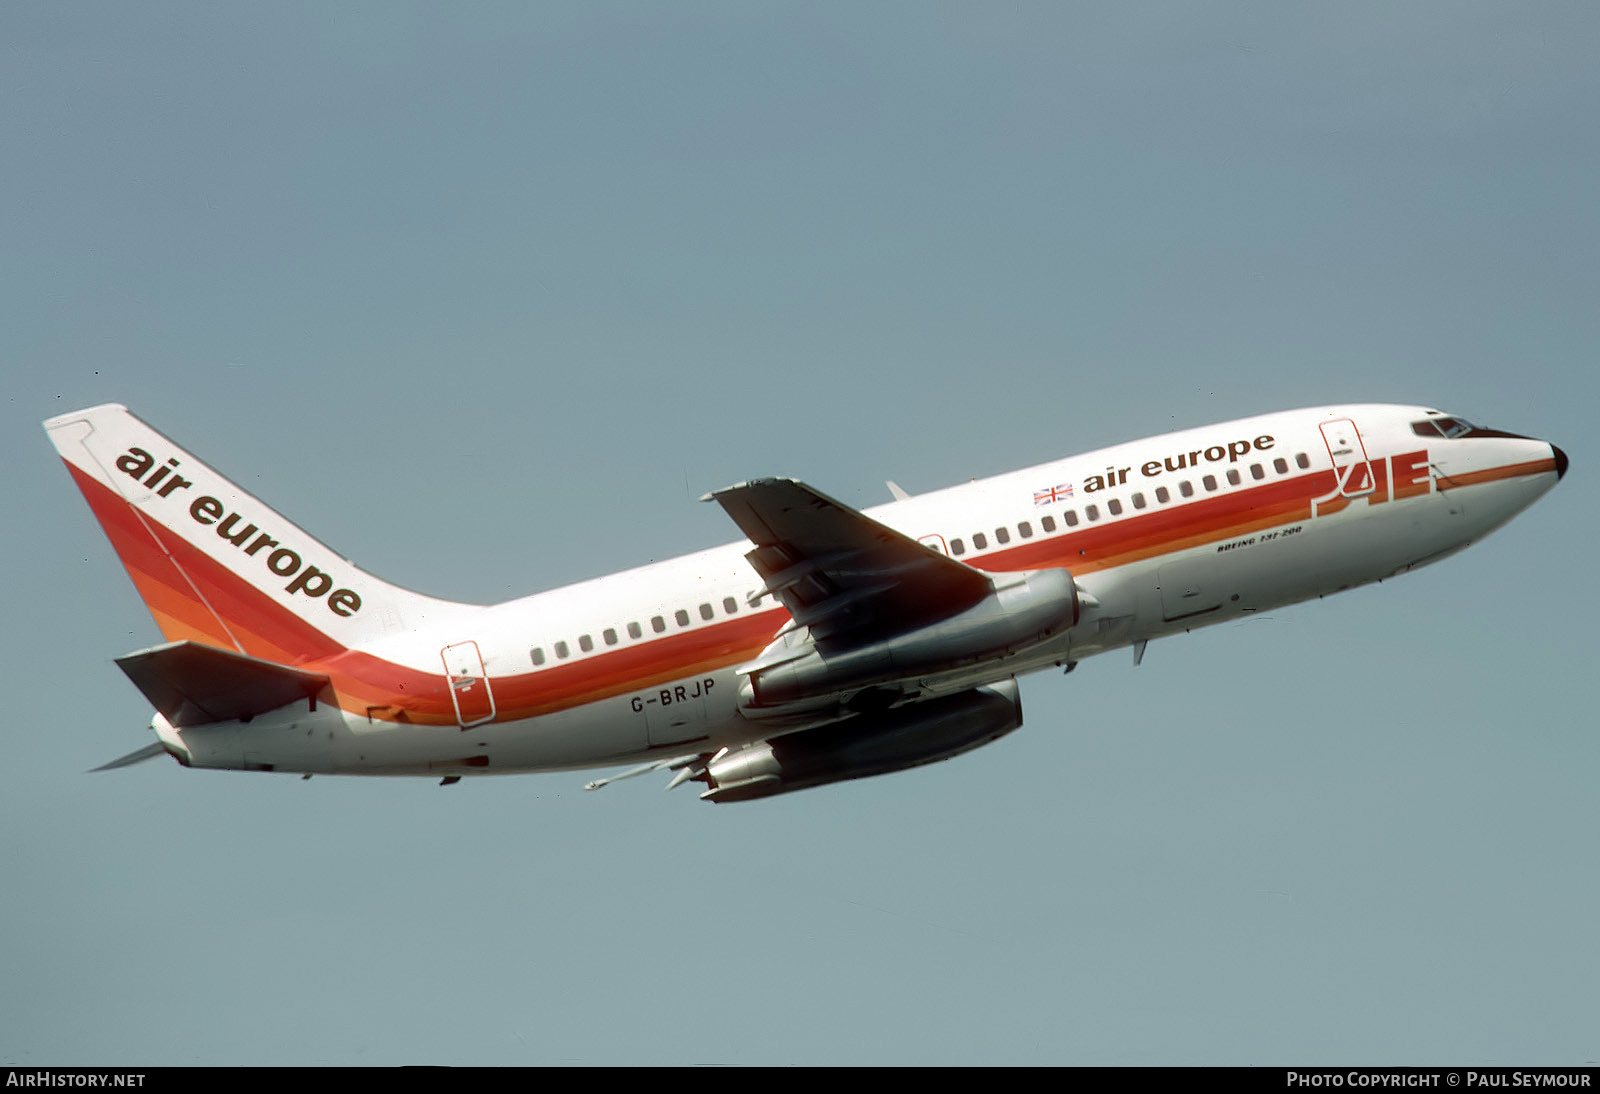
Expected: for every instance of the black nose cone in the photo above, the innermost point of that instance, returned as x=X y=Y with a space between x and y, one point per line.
x=1561 y=462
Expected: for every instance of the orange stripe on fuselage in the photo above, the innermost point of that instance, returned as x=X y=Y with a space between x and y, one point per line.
x=708 y=649
x=1125 y=539
x=388 y=691
x=391 y=692
x=1494 y=474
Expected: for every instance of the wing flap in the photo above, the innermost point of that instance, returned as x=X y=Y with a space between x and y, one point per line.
x=193 y=684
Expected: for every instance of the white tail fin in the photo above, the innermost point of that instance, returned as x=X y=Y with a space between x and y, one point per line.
x=215 y=565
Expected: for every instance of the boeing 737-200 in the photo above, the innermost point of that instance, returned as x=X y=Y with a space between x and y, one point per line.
x=835 y=644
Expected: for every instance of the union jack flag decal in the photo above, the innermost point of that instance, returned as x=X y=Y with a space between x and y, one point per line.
x=1053 y=494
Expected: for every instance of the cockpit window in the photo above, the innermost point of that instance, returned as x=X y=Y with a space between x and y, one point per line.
x=1449 y=428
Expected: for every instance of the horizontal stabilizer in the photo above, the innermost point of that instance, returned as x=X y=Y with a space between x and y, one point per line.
x=193 y=684
x=148 y=752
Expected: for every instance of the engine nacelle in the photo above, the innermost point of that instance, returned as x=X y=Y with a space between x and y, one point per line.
x=1024 y=610
x=867 y=744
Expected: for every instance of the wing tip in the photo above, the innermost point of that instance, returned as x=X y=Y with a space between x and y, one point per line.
x=749 y=484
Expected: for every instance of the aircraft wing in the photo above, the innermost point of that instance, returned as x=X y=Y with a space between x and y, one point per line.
x=839 y=572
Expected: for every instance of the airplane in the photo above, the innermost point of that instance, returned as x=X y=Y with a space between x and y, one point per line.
x=834 y=644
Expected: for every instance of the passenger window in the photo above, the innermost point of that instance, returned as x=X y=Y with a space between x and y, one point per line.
x=1092 y=512
x=538 y=655
x=610 y=635
x=1163 y=495
x=1001 y=535
x=585 y=643
x=1048 y=523
x=1071 y=517
x=1280 y=465
x=634 y=630
x=730 y=605
x=1185 y=489
x=561 y=649
x=957 y=547
x=1138 y=500
x=682 y=617
x=1209 y=482
x=1115 y=506
x=657 y=624
x=1025 y=529
x=1257 y=471
x=1233 y=477
x=979 y=541
x=1302 y=461
x=706 y=611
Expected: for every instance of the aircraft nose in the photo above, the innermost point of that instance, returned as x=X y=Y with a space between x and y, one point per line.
x=1561 y=462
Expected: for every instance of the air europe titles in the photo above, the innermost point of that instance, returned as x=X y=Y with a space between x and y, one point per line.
x=1178 y=461
x=140 y=466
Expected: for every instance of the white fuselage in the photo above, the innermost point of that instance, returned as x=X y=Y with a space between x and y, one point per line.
x=1161 y=535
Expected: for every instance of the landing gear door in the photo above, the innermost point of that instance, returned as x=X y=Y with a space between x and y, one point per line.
x=1349 y=454
x=469 y=683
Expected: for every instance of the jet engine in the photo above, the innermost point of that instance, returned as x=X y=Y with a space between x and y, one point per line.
x=1023 y=610
x=866 y=744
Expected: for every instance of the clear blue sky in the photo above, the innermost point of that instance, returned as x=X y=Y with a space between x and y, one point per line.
x=485 y=297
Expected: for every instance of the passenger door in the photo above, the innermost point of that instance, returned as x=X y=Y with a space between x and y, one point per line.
x=469 y=683
x=1349 y=455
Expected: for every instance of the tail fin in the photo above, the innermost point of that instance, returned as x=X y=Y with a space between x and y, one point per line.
x=213 y=564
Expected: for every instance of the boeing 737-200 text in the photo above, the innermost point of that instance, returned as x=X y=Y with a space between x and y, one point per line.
x=835 y=644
